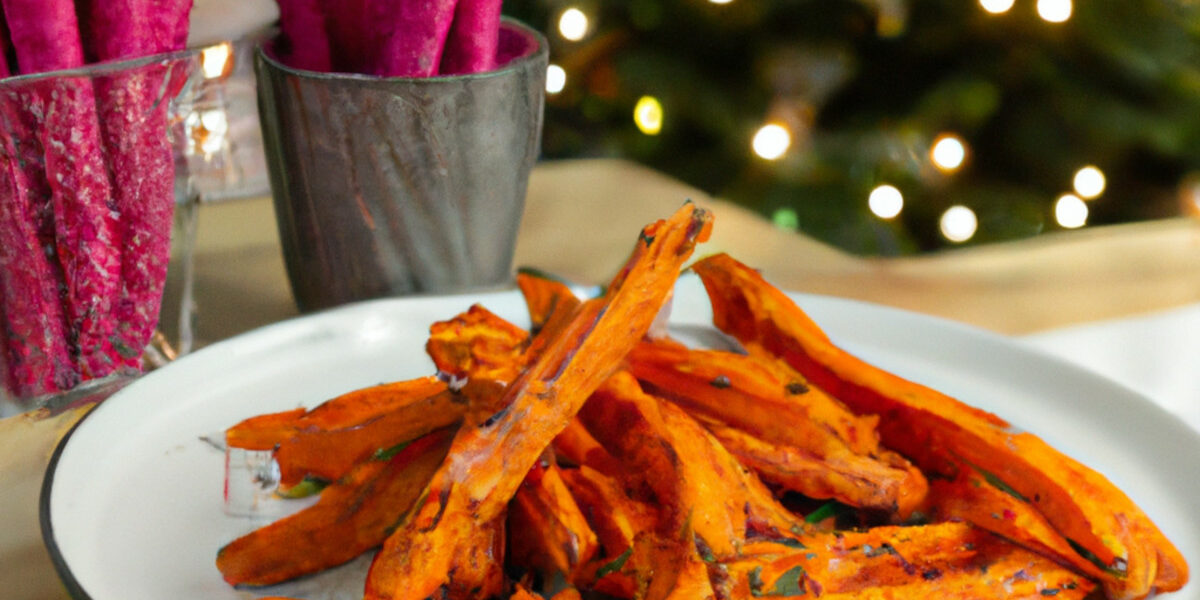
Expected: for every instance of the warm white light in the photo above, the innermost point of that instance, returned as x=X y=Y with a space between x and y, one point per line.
x=958 y=223
x=720 y=1
x=1089 y=182
x=556 y=79
x=885 y=201
x=1070 y=211
x=573 y=24
x=648 y=115
x=215 y=59
x=1054 y=11
x=997 y=7
x=948 y=152
x=771 y=141
x=207 y=130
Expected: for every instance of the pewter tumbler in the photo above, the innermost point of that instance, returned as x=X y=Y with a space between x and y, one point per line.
x=391 y=186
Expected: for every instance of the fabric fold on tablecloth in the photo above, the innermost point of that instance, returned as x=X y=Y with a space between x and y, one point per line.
x=1157 y=355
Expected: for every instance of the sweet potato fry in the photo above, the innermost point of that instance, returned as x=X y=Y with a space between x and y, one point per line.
x=520 y=593
x=328 y=454
x=939 y=432
x=834 y=454
x=544 y=296
x=615 y=518
x=795 y=469
x=478 y=344
x=487 y=463
x=548 y=531
x=972 y=498
x=351 y=516
x=575 y=446
x=682 y=470
x=265 y=432
x=944 y=560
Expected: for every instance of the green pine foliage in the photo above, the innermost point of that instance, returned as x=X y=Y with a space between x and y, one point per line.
x=865 y=87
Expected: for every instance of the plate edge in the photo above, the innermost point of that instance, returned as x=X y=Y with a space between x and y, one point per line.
x=65 y=576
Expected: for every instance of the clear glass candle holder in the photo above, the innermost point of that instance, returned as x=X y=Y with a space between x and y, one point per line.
x=92 y=166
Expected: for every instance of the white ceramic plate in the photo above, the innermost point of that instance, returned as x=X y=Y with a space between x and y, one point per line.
x=132 y=503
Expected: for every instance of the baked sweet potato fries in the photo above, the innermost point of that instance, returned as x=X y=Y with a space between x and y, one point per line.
x=586 y=458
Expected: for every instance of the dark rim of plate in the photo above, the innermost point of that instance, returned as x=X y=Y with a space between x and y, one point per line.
x=72 y=585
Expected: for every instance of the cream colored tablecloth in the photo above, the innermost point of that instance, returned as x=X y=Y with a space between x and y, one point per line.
x=581 y=218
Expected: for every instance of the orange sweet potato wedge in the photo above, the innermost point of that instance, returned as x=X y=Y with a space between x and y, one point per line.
x=972 y=498
x=671 y=462
x=352 y=516
x=326 y=442
x=330 y=454
x=952 y=560
x=838 y=455
x=616 y=518
x=943 y=435
x=477 y=344
x=487 y=463
x=547 y=530
x=265 y=432
x=544 y=295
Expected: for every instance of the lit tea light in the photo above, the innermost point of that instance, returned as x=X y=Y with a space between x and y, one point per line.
x=556 y=79
x=1070 y=211
x=573 y=24
x=771 y=141
x=958 y=224
x=1089 y=182
x=648 y=115
x=214 y=60
x=885 y=201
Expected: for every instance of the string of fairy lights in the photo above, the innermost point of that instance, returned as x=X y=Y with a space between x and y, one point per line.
x=948 y=152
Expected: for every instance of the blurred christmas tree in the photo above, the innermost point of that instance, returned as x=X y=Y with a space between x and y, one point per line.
x=805 y=109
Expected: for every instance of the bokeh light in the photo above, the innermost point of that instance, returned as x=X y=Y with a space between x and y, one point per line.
x=958 y=224
x=1089 y=182
x=997 y=7
x=1070 y=211
x=1054 y=11
x=771 y=141
x=648 y=115
x=573 y=24
x=885 y=201
x=948 y=152
x=556 y=79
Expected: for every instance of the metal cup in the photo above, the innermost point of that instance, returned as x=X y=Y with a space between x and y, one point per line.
x=390 y=186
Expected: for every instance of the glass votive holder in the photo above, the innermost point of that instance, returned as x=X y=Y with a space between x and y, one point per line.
x=90 y=173
x=391 y=186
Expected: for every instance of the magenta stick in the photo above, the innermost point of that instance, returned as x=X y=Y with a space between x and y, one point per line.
x=170 y=24
x=45 y=35
x=4 y=46
x=305 y=34
x=411 y=34
x=134 y=137
x=117 y=29
x=473 y=38
x=352 y=44
x=37 y=359
x=135 y=131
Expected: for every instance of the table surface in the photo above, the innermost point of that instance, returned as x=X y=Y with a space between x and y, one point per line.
x=581 y=218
